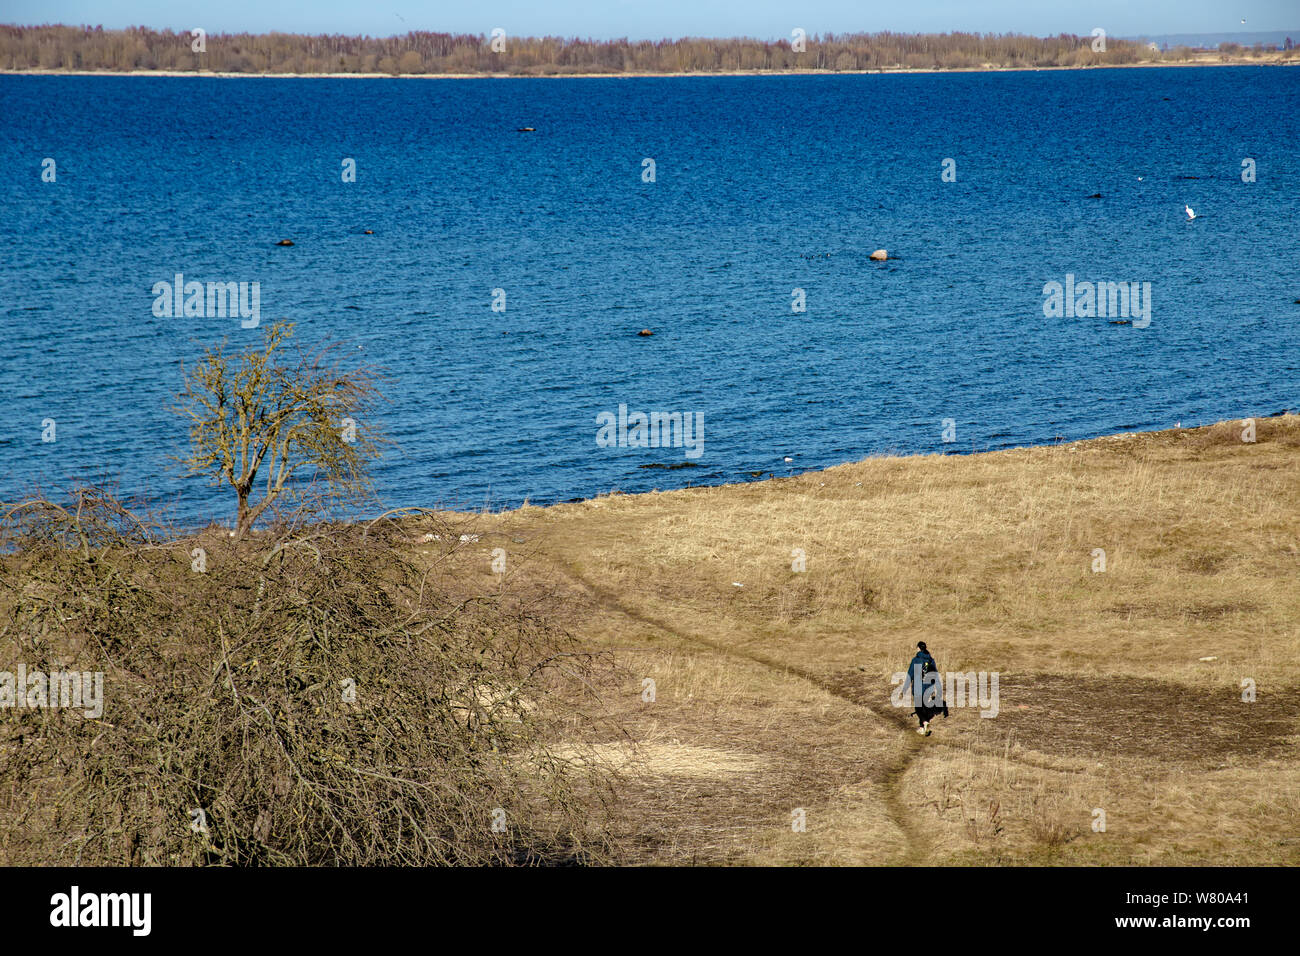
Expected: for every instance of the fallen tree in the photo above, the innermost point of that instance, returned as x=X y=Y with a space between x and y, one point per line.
x=314 y=696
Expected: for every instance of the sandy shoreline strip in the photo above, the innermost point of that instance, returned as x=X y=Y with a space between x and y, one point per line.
x=635 y=75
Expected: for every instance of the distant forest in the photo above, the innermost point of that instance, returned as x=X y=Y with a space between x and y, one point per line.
x=139 y=48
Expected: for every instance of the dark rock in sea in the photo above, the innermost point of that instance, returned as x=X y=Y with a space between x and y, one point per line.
x=526 y=129
x=285 y=242
x=370 y=232
x=684 y=464
x=1121 y=322
x=645 y=332
x=1095 y=196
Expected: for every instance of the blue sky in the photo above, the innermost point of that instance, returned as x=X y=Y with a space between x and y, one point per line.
x=641 y=19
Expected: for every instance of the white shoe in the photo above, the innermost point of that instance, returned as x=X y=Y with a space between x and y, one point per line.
x=921 y=730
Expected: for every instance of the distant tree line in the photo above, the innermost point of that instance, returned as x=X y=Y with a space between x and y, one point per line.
x=139 y=48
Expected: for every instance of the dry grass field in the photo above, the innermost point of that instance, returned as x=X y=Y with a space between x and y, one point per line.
x=772 y=686
x=682 y=677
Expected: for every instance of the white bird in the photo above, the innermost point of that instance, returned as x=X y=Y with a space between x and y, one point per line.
x=788 y=458
x=1191 y=214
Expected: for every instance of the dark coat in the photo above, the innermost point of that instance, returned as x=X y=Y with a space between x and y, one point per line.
x=923 y=682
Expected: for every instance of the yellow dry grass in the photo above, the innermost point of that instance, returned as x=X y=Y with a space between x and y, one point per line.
x=667 y=758
x=774 y=695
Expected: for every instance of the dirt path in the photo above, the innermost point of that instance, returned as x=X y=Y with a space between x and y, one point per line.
x=842 y=687
x=918 y=847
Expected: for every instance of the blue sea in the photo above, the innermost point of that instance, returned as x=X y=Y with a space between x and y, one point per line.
x=761 y=186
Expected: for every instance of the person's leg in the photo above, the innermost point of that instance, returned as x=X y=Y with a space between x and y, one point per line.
x=923 y=715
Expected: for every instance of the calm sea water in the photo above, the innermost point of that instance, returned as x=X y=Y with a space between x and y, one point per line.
x=763 y=185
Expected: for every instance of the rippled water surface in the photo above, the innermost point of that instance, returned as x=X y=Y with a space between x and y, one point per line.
x=763 y=185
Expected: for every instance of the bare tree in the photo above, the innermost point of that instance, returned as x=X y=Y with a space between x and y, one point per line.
x=68 y=48
x=292 y=419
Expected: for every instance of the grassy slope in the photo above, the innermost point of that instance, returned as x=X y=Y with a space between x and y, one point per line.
x=775 y=695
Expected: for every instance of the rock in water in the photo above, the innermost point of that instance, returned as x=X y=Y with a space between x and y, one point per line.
x=645 y=332
x=880 y=255
x=285 y=242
